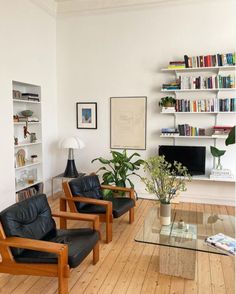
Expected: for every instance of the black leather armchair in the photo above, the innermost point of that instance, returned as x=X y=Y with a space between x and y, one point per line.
x=84 y=195
x=31 y=244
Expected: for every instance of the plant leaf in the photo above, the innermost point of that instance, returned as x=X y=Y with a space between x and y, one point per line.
x=216 y=152
x=231 y=137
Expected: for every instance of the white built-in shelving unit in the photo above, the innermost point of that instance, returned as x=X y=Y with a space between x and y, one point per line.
x=28 y=174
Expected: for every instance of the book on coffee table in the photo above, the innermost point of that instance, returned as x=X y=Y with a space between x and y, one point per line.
x=222 y=242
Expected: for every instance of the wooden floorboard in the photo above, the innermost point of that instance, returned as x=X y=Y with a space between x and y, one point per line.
x=127 y=267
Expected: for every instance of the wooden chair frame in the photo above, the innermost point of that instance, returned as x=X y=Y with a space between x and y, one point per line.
x=61 y=269
x=107 y=217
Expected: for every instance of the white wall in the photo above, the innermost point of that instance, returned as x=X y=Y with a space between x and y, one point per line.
x=28 y=54
x=120 y=53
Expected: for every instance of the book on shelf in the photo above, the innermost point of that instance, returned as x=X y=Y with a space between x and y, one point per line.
x=194 y=82
x=222 y=242
x=219 y=59
x=169 y=131
x=221 y=173
x=227 y=104
x=187 y=130
x=199 y=105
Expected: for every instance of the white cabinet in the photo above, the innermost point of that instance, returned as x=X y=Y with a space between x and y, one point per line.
x=27 y=139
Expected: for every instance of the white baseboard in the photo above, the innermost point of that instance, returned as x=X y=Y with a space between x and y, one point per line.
x=194 y=199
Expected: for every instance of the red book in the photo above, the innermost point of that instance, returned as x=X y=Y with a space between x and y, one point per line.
x=206 y=61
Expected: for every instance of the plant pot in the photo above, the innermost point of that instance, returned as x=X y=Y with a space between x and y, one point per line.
x=165 y=214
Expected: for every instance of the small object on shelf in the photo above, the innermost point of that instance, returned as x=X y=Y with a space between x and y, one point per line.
x=15 y=141
x=33 y=137
x=221 y=173
x=20 y=157
x=168 y=109
x=34 y=158
x=16 y=94
x=15 y=118
x=27 y=113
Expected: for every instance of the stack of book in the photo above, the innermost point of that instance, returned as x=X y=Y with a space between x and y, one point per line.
x=227 y=104
x=200 y=105
x=29 y=192
x=168 y=109
x=176 y=64
x=30 y=97
x=221 y=130
x=227 y=59
x=221 y=174
x=187 y=130
x=169 y=132
x=171 y=86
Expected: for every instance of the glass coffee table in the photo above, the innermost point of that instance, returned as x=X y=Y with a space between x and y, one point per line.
x=180 y=241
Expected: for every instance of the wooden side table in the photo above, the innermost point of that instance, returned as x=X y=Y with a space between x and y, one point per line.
x=63 y=179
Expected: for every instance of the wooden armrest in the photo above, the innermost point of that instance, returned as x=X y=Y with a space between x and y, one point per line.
x=32 y=244
x=88 y=200
x=79 y=216
x=124 y=189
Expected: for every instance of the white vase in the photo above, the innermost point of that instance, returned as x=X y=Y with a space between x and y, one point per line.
x=165 y=214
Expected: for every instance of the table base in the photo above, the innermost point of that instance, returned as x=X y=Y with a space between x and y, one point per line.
x=177 y=262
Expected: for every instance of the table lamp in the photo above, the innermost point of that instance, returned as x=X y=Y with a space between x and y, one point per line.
x=71 y=143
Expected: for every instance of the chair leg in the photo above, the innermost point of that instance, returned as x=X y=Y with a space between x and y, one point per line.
x=131 y=215
x=96 y=253
x=108 y=231
x=62 y=285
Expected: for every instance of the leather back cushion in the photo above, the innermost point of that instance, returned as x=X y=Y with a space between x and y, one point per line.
x=87 y=186
x=30 y=218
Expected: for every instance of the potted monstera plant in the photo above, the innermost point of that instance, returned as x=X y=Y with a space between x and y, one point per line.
x=164 y=180
x=118 y=169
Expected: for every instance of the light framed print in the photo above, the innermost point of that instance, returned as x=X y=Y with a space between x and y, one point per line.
x=86 y=115
x=128 y=117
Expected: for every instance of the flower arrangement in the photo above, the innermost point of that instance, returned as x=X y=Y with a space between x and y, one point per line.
x=165 y=179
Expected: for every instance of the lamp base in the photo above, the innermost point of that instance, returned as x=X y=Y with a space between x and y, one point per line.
x=71 y=171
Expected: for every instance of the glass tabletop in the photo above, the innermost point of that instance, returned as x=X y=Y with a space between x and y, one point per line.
x=190 y=234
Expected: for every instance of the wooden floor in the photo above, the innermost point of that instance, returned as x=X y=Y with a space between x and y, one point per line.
x=129 y=267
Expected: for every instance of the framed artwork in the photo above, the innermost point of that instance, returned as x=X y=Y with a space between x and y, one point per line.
x=128 y=117
x=86 y=115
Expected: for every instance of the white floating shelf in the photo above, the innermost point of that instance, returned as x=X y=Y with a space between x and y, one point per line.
x=193 y=137
x=194 y=112
x=28 y=165
x=207 y=178
x=26 y=101
x=190 y=69
x=19 y=188
x=199 y=90
x=27 y=144
x=29 y=123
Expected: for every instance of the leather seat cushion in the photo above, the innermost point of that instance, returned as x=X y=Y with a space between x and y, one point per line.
x=87 y=186
x=30 y=218
x=120 y=206
x=80 y=242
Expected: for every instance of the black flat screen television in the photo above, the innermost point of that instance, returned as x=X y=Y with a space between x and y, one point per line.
x=193 y=157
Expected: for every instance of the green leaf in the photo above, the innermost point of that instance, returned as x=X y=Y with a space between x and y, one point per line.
x=134 y=154
x=139 y=162
x=129 y=165
x=102 y=160
x=231 y=137
x=216 y=152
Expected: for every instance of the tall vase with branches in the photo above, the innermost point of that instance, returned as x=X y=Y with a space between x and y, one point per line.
x=165 y=180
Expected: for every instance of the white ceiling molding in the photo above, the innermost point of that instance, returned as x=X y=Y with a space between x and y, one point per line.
x=83 y=6
x=50 y=6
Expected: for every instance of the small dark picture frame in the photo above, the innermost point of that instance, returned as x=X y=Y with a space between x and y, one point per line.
x=86 y=115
